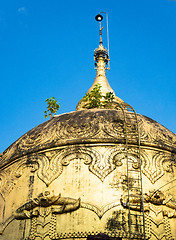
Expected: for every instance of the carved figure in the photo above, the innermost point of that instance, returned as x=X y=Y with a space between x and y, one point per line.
x=134 y=202
x=155 y=197
x=47 y=199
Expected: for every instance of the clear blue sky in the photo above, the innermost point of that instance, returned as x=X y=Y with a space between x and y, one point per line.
x=46 y=50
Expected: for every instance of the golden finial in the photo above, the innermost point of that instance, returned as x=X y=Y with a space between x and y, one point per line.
x=101 y=58
x=101 y=28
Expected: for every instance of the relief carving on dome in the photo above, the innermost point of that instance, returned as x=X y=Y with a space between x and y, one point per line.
x=50 y=168
x=58 y=131
x=53 y=234
x=159 y=229
x=156 y=166
x=153 y=132
x=162 y=205
x=47 y=199
x=10 y=176
x=43 y=205
x=73 y=128
x=99 y=164
x=154 y=197
x=88 y=125
x=99 y=211
x=106 y=163
x=58 y=205
x=43 y=209
x=34 y=137
x=50 y=132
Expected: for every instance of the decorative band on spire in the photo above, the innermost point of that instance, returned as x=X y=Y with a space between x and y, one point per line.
x=101 y=85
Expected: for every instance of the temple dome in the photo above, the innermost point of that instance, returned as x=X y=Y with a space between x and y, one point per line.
x=87 y=126
x=69 y=174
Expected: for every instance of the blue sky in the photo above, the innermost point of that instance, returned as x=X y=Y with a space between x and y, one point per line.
x=46 y=50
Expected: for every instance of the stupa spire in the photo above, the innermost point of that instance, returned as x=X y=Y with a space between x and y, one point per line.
x=101 y=58
x=101 y=28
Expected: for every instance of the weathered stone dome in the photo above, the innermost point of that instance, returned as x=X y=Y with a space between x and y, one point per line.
x=88 y=126
x=68 y=178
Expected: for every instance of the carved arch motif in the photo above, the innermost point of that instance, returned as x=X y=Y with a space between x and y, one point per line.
x=99 y=164
x=9 y=176
x=156 y=166
x=49 y=170
x=152 y=226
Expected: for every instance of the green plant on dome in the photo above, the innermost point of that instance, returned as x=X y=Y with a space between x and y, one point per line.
x=95 y=99
x=52 y=107
x=108 y=98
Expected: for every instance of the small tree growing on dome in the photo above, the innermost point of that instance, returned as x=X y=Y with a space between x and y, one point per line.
x=95 y=99
x=52 y=108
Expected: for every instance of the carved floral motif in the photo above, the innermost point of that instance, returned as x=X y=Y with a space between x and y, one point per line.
x=49 y=168
x=153 y=132
x=99 y=164
x=89 y=126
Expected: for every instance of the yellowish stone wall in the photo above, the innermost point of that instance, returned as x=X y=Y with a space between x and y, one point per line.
x=86 y=190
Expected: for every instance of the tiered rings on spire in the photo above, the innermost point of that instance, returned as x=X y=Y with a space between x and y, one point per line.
x=101 y=58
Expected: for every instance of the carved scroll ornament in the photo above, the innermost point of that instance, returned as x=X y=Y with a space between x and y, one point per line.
x=153 y=132
x=50 y=168
x=100 y=164
x=85 y=126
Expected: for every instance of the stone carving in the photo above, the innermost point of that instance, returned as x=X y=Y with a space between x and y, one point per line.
x=47 y=169
x=167 y=228
x=50 y=168
x=155 y=228
x=154 y=168
x=54 y=235
x=155 y=197
x=9 y=176
x=99 y=211
x=102 y=164
x=99 y=164
x=88 y=126
x=59 y=205
x=153 y=132
x=106 y=163
x=45 y=204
